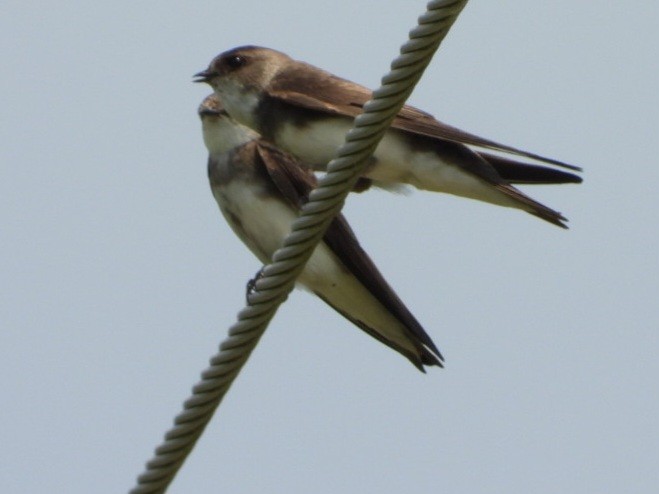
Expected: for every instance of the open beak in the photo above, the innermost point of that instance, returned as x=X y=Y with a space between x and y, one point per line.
x=204 y=76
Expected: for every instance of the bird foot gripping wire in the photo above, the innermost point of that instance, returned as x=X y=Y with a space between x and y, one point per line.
x=272 y=284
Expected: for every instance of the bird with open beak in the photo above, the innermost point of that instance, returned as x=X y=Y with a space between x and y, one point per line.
x=307 y=112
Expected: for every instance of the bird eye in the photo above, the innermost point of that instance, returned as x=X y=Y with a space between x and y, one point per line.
x=236 y=61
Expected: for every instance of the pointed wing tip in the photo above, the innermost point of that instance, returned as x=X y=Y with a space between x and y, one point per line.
x=430 y=357
x=568 y=166
x=554 y=162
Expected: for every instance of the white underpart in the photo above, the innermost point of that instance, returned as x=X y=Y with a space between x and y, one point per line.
x=396 y=162
x=266 y=221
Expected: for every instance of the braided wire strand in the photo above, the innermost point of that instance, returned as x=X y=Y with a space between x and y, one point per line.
x=278 y=278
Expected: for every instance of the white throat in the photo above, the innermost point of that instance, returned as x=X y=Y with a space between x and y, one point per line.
x=238 y=101
x=221 y=134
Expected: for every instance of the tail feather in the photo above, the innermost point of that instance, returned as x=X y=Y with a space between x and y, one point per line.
x=422 y=354
x=534 y=207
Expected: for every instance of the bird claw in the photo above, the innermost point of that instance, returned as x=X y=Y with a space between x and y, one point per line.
x=251 y=284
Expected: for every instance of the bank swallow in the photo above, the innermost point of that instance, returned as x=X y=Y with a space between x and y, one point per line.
x=307 y=111
x=260 y=190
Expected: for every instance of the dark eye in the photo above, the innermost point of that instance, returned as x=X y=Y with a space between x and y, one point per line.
x=236 y=61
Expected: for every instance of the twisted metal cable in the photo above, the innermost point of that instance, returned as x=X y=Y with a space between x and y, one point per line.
x=278 y=278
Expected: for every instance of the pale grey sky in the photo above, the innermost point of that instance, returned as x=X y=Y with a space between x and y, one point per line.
x=120 y=278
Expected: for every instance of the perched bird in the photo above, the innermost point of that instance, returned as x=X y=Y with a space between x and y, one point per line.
x=260 y=190
x=307 y=112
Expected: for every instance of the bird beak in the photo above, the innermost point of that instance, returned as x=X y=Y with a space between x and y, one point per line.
x=204 y=76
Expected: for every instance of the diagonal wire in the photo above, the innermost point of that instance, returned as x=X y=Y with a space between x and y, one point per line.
x=279 y=277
